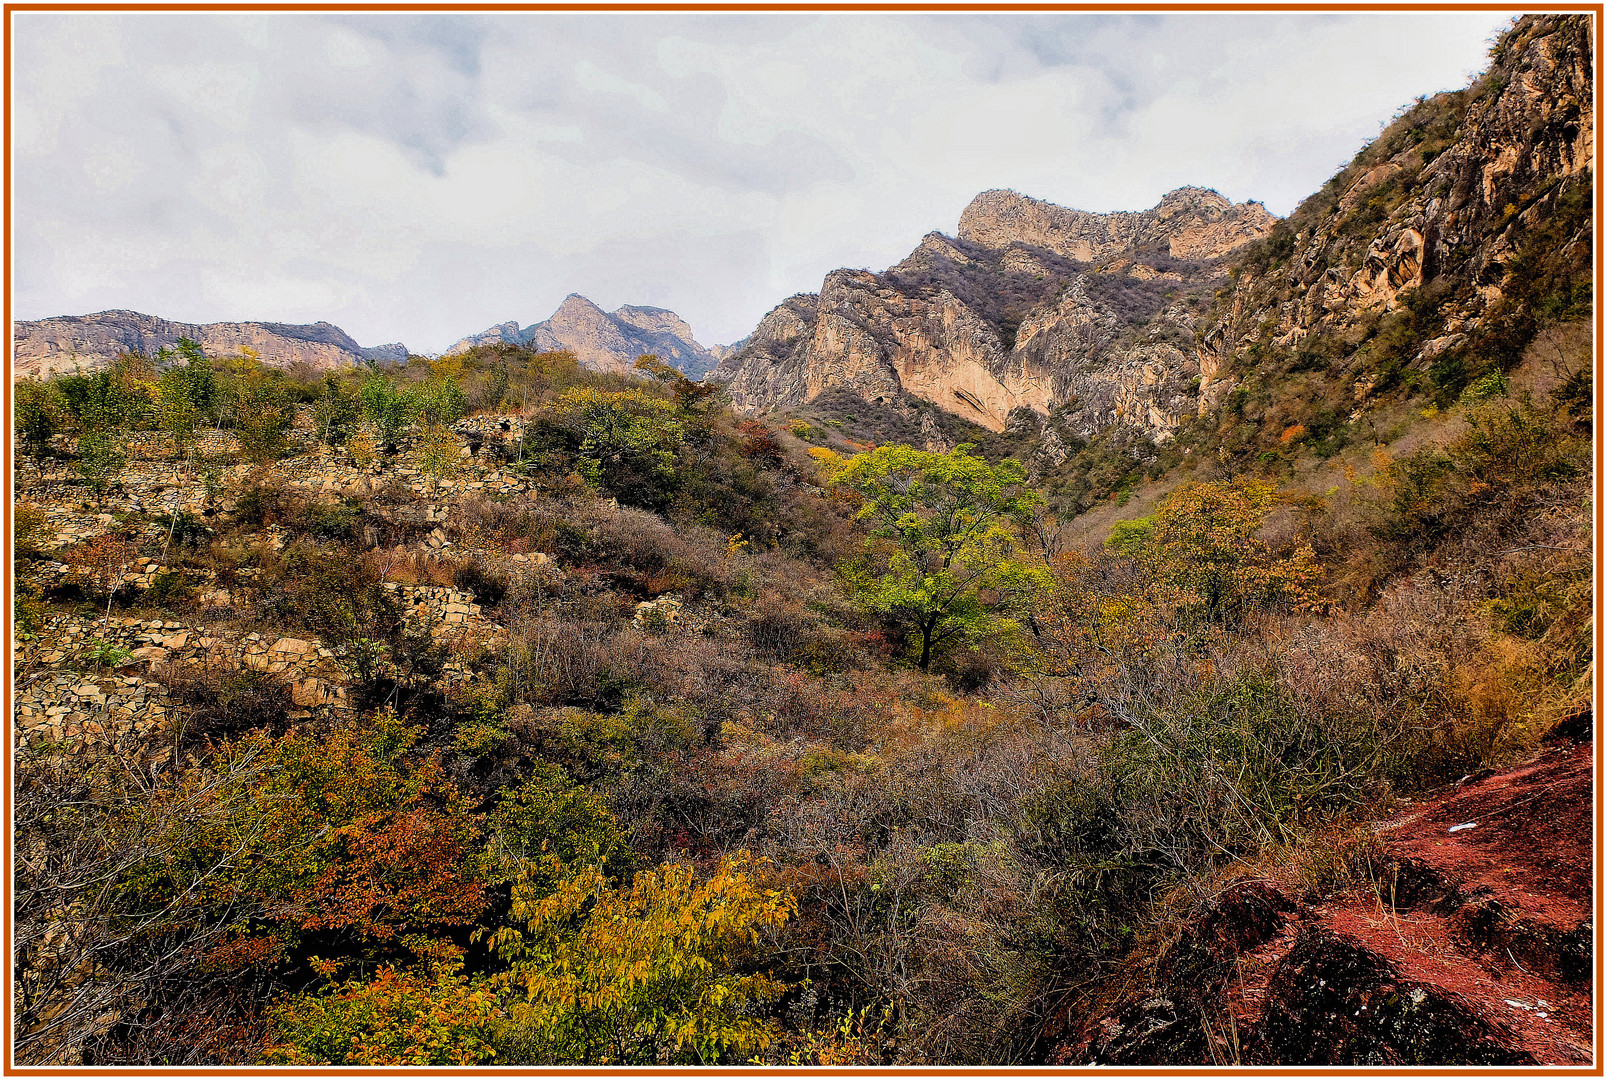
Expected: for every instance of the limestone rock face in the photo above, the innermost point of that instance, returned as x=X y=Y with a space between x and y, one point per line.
x=1447 y=196
x=1132 y=321
x=1011 y=315
x=48 y=346
x=605 y=341
x=1189 y=223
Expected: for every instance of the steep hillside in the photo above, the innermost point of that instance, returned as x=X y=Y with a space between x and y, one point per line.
x=605 y=341
x=47 y=346
x=1203 y=335
x=1033 y=306
x=1427 y=262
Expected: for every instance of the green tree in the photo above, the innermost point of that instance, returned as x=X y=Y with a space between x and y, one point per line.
x=336 y=411
x=186 y=395
x=955 y=565
x=438 y=400
x=549 y=813
x=36 y=406
x=100 y=401
x=262 y=421
x=397 y=1018
x=101 y=456
x=386 y=406
x=627 y=438
x=188 y=379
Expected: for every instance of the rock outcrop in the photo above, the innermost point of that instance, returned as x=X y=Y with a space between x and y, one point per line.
x=1189 y=223
x=1033 y=306
x=1476 y=202
x=46 y=347
x=603 y=340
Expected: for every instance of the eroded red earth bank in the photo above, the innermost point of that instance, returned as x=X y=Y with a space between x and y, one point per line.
x=1466 y=938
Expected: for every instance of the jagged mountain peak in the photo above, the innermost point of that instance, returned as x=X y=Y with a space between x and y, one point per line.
x=1187 y=223
x=999 y=318
x=604 y=340
x=575 y=302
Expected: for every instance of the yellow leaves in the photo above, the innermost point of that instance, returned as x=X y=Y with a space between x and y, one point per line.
x=656 y=368
x=1205 y=544
x=363 y=449
x=438 y=451
x=652 y=964
x=447 y=367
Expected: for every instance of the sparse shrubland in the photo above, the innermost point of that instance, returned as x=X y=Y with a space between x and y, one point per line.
x=933 y=782
x=495 y=711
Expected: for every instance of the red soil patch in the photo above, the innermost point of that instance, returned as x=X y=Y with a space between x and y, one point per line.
x=1530 y=845
x=1510 y=936
x=1470 y=947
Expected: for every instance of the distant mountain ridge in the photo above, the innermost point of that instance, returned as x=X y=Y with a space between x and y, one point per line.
x=606 y=341
x=45 y=347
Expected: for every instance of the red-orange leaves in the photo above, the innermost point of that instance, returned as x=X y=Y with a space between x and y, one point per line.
x=335 y=832
x=400 y=868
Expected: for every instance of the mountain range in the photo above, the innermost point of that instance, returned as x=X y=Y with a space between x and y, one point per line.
x=1080 y=324
x=48 y=346
x=603 y=341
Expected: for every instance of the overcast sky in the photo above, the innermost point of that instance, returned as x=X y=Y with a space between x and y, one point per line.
x=419 y=178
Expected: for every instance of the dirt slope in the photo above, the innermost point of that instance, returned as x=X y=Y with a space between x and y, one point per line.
x=1469 y=947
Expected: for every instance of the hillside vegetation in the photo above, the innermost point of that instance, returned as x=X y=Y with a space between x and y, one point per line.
x=492 y=710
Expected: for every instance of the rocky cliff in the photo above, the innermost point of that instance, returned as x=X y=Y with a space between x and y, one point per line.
x=1189 y=223
x=1032 y=306
x=47 y=346
x=1427 y=261
x=606 y=341
x=1433 y=256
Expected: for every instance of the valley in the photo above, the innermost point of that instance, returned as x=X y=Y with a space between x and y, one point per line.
x=1153 y=638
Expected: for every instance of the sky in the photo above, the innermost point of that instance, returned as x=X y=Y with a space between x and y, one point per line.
x=421 y=177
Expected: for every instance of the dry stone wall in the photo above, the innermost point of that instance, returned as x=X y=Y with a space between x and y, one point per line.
x=94 y=684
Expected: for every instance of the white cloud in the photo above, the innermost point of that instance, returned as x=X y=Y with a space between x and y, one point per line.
x=422 y=177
